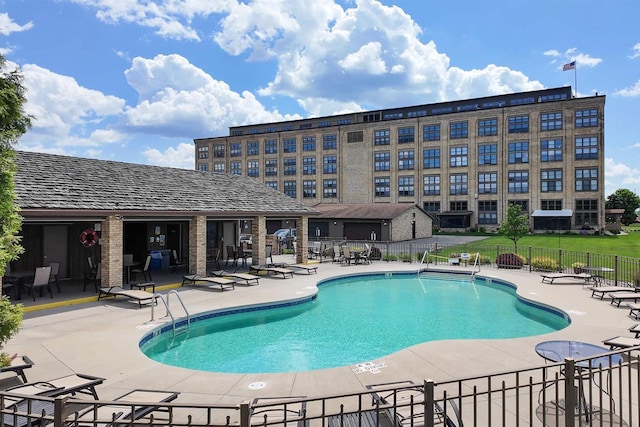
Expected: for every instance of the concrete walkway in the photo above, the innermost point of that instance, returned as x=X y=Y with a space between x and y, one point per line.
x=101 y=338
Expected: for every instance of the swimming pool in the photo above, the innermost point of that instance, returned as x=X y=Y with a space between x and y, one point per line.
x=352 y=320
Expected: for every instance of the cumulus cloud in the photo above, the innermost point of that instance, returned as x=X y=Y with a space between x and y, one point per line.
x=181 y=156
x=630 y=91
x=620 y=175
x=636 y=51
x=7 y=26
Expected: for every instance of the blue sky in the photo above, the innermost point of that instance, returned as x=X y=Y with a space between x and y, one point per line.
x=138 y=80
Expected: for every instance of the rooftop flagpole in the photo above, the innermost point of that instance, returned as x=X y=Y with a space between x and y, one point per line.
x=572 y=66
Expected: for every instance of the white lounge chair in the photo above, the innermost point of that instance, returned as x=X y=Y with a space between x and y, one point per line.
x=221 y=282
x=550 y=277
x=617 y=343
x=133 y=294
x=241 y=278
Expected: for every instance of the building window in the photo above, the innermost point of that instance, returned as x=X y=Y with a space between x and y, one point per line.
x=431 y=133
x=235 y=149
x=406 y=160
x=406 y=135
x=587 y=179
x=219 y=167
x=235 y=168
x=487 y=212
x=405 y=186
x=550 y=180
x=289 y=145
x=383 y=186
x=203 y=167
x=551 y=205
x=586 y=118
x=309 y=143
x=458 y=184
x=329 y=142
x=431 y=206
x=252 y=168
x=330 y=188
x=587 y=148
x=519 y=152
x=488 y=154
x=519 y=124
x=253 y=148
x=458 y=130
x=458 y=157
x=488 y=183
x=488 y=127
x=218 y=151
x=524 y=205
x=381 y=137
x=203 y=152
x=270 y=168
x=586 y=212
x=290 y=189
x=382 y=161
x=271 y=147
x=551 y=150
x=308 y=165
x=330 y=164
x=355 y=136
x=518 y=182
x=550 y=121
x=458 y=206
x=272 y=184
x=431 y=158
x=309 y=189
x=431 y=185
x=290 y=166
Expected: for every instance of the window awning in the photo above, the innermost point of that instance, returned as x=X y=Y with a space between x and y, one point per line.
x=553 y=214
x=457 y=213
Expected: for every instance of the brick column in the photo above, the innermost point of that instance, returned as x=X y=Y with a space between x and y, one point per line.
x=302 y=254
x=259 y=231
x=111 y=242
x=198 y=245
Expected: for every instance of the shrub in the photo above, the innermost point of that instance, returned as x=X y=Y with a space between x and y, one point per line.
x=509 y=260
x=636 y=278
x=10 y=321
x=544 y=263
x=454 y=255
x=483 y=259
x=405 y=257
x=390 y=257
x=578 y=266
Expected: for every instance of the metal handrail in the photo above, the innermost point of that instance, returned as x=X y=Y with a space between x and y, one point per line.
x=184 y=307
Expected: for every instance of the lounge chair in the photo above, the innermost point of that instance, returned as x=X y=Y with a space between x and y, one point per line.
x=550 y=277
x=133 y=294
x=634 y=310
x=403 y=402
x=309 y=269
x=279 y=410
x=139 y=404
x=221 y=282
x=635 y=329
x=285 y=272
x=69 y=385
x=618 y=297
x=617 y=343
x=602 y=291
x=18 y=365
x=241 y=278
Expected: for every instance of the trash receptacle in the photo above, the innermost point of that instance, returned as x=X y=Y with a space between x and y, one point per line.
x=156 y=260
x=166 y=259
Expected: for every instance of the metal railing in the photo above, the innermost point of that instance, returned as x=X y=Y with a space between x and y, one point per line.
x=589 y=391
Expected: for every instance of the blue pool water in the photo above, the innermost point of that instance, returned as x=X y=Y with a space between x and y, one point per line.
x=354 y=320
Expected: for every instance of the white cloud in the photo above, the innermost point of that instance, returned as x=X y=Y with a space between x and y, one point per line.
x=7 y=26
x=636 y=51
x=630 y=91
x=181 y=156
x=366 y=60
x=620 y=175
x=551 y=52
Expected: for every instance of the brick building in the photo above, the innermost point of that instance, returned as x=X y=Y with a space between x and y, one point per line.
x=462 y=161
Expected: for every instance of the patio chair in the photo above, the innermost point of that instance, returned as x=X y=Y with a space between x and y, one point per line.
x=232 y=255
x=215 y=258
x=40 y=280
x=177 y=262
x=55 y=270
x=136 y=404
x=144 y=270
x=93 y=275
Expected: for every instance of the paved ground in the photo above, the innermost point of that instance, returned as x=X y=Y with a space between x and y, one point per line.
x=101 y=338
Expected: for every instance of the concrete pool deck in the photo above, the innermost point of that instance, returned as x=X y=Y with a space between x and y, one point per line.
x=101 y=339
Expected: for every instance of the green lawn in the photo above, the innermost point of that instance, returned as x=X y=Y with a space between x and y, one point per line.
x=626 y=245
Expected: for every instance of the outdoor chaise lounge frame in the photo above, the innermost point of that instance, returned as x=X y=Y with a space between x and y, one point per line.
x=221 y=282
x=309 y=269
x=618 y=297
x=133 y=294
x=550 y=277
x=620 y=342
x=634 y=310
x=18 y=365
x=240 y=278
x=62 y=386
x=285 y=272
x=139 y=403
x=285 y=411
x=602 y=291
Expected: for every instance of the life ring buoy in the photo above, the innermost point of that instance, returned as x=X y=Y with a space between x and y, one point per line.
x=89 y=237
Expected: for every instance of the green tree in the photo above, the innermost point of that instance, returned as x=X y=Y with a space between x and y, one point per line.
x=624 y=199
x=515 y=225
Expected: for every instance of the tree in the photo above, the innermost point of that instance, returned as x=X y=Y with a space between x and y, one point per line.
x=624 y=199
x=515 y=225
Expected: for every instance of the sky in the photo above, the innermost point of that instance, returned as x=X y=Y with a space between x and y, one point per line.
x=138 y=80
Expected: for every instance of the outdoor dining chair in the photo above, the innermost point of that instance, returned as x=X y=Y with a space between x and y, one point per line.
x=40 y=280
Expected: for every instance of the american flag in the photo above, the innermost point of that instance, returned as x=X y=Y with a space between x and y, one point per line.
x=570 y=66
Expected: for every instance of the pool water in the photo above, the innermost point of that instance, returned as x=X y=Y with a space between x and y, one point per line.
x=354 y=320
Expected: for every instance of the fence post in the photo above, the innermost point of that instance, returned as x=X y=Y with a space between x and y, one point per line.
x=615 y=268
x=429 y=402
x=435 y=254
x=245 y=414
x=529 y=259
x=570 y=394
x=59 y=411
x=560 y=259
x=410 y=253
x=388 y=251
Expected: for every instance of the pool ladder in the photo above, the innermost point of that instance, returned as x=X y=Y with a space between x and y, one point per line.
x=424 y=255
x=176 y=329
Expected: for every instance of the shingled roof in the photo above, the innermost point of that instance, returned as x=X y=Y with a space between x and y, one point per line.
x=377 y=211
x=61 y=183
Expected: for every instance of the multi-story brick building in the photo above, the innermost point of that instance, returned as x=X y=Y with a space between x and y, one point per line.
x=463 y=161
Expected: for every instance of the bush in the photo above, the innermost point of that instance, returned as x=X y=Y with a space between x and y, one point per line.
x=10 y=321
x=578 y=266
x=390 y=257
x=483 y=259
x=636 y=278
x=545 y=264
x=509 y=260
